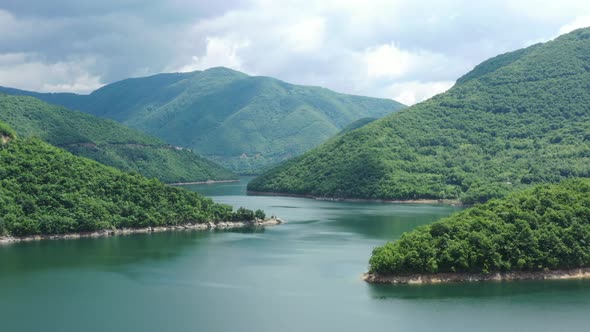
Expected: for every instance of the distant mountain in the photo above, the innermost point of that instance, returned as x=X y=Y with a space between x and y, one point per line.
x=240 y=121
x=106 y=141
x=517 y=119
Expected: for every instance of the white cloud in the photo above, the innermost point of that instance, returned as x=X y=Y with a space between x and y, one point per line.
x=306 y=35
x=6 y=21
x=579 y=22
x=390 y=61
x=546 y=10
x=9 y=59
x=83 y=83
x=387 y=61
x=24 y=71
x=412 y=92
x=219 y=52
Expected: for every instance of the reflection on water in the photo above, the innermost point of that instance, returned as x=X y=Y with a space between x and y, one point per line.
x=387 y=222
x=96 y=252
x=505 y=289
x=222 y=189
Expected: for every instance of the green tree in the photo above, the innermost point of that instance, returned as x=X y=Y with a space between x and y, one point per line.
x=545 y=227
x=45 y=190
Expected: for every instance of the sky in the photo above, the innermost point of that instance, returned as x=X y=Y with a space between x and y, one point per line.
x=406 y=50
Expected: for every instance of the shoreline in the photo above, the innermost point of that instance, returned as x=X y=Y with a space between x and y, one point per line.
x=6 y=240
x=201 y=182
x=452 y=202
x=442 y=278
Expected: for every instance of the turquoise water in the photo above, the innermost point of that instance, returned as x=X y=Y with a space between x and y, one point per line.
x=301 y=276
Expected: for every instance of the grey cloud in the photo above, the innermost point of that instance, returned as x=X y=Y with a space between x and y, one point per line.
x=153 y=10
x=108 y=40
x=127 y=38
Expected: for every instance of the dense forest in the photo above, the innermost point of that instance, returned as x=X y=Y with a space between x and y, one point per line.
x=242 y=122
x=518 y=119
x=46 y=190
x=106 y=141
x=545 y=227
x=6 y=132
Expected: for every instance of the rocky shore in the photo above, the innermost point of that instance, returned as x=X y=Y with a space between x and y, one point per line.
x=144 y=230
x=579 y=273
x=364 y=200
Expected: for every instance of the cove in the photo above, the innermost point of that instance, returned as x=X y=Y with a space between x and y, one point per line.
x=300 y=276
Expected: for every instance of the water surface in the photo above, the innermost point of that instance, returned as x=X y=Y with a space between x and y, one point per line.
x=301 y=276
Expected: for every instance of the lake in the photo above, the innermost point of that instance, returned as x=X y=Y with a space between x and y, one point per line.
x=300 y=276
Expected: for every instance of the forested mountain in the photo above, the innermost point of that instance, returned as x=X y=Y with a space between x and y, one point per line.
x=517 y=119
x=356 y=124
x=46 y=190
x=106 y=141
x=546 y=227
x=243 y=122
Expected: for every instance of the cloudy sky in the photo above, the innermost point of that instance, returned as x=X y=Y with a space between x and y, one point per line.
x=402 y=49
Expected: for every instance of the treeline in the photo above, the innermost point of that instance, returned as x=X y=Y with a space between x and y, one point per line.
x=45 y=190
x=546 y=227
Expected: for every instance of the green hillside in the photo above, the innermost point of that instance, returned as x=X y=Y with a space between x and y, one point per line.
x=517 y=119
x=46 y=190
x=356 y=125
x=546 y=227
x=242 y=122
x=106 y=141
x=6 y=133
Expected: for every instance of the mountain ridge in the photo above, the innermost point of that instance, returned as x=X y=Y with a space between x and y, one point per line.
x=106 y=141
x=516 y=119
x=243 y=122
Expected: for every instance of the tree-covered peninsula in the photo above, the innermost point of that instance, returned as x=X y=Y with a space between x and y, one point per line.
x=107 y=141
x=515 y=120
x=540 y=229
x=45 y=190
